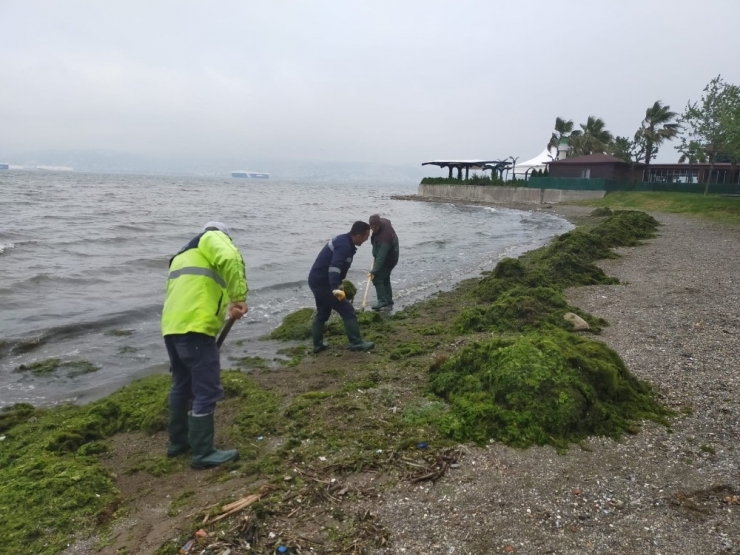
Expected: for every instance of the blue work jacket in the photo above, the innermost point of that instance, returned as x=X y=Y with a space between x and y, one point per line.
x=333 y=263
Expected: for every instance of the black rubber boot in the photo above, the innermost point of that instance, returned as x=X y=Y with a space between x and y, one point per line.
x=352 y=327
x=200 y=435
x=178 y=431
x=317 y=330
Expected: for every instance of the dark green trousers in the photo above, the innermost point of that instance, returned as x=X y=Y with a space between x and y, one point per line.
x=383 y=290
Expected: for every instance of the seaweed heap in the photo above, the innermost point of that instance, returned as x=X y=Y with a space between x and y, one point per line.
x=53 y=485
x=296 y=326
x=550 y=388
x=545 y=385
x=527 y=293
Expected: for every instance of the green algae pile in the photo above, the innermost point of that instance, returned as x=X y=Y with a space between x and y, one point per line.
x=53 y=486
x=529 y=292
x=51 y=365
x=540 y=388
x=51 y=481
x=296 y=326
x=544 y=385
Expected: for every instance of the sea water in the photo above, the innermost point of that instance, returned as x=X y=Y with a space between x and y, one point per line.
x=84 y=257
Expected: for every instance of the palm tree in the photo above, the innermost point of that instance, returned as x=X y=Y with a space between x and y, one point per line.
x=563 y=129
x=659 y=124
x=593 y=138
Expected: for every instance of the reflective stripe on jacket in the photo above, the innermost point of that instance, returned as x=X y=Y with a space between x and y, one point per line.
x=204 y=277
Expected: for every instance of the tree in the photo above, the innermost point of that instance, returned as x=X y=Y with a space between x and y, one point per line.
x=693 y=153
x=709 y=123
x=625 y=149
x=659 y=124
x=593 y=138
x=563 y=130
x=730 y=122
x=631 y=151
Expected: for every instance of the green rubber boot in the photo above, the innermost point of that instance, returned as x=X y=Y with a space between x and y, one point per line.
x=382 y=284
x=317 y=330
x=352 y=328
x=200 y=435
x=178 y=431
x=381 y=294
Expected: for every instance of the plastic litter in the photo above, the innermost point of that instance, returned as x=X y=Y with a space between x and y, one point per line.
x=423 y=445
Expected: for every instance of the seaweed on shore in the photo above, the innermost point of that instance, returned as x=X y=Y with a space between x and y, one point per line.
x=53 y=485
x=529 y=292
x=50 y=365
x=549 y=387
x=296 y=326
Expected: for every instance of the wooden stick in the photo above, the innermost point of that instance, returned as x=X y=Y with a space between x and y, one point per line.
x=367 y=287
x=240 y=504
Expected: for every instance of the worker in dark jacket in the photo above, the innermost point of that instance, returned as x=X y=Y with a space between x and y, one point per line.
x=385 y=255
x=325 y=281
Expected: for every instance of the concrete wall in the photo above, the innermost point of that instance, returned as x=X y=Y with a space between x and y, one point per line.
x=493 y=194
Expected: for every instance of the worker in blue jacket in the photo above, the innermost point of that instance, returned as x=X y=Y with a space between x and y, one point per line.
x=325 y=281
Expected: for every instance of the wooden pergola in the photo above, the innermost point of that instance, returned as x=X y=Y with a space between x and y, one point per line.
x=496 y=166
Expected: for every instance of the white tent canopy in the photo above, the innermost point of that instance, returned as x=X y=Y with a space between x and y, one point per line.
x=537 y=163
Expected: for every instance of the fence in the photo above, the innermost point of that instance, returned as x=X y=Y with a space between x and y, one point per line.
x=608 y=185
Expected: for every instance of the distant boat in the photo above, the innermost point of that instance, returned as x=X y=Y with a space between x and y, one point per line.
x=4 y=166
x=55 y=168
x=253 y=175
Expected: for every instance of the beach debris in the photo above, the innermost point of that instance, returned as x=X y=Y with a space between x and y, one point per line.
x=579 y=324
x=445 y=459
x=185 y=549
x=239 y=505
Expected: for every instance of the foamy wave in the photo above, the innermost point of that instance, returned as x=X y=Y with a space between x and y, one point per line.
x=5 y=247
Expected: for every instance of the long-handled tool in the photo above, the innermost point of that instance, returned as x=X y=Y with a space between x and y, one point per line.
x=367 y=286
x=224 y=332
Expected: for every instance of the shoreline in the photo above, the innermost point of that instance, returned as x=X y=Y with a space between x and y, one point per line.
x=570 y=212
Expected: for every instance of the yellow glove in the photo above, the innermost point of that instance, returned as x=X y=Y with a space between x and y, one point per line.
x=370 y=276
x=339 y=294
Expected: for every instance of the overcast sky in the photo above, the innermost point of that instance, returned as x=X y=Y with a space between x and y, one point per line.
x=376 y=81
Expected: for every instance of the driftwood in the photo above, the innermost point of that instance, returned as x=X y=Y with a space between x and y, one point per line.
x=436 y=470
x=239 y=505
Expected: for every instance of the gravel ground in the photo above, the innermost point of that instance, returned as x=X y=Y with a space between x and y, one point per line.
x=674 y=320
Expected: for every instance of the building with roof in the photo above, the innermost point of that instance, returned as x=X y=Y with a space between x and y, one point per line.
x=596 y=166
